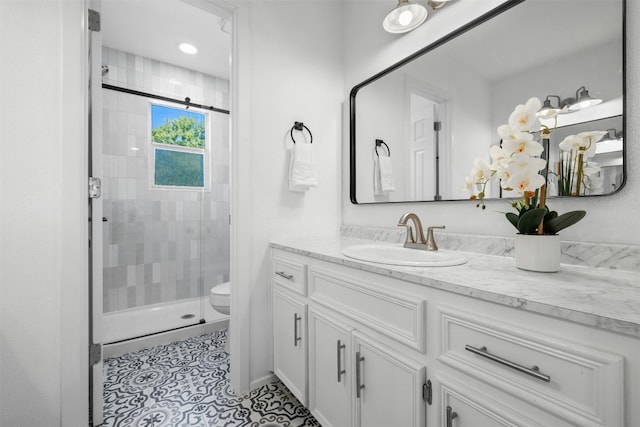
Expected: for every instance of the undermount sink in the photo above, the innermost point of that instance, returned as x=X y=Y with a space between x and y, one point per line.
x=399 y=255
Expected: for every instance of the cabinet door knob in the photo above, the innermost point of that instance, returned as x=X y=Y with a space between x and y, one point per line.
x=450 y=416
x=341 y=371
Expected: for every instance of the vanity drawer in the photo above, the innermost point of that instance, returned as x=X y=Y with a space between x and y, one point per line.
x=580 y=384
x=399 y=316
x=289 y=272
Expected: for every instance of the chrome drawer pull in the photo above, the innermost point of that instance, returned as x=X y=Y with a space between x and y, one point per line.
x=450 y=416
x=358 y=374
x=341 y=371
x=296 y=338
x=285 y=275
x=533 y=371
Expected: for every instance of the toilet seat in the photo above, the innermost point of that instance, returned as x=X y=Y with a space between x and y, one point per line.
x=220 y=295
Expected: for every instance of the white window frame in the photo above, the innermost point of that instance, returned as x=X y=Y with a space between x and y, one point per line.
x=206 y=151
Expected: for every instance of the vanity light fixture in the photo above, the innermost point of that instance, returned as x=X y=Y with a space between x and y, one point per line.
x=188 y=48
x=405 y=17
x=548 y=110
x=581 y=101
x=567 y=105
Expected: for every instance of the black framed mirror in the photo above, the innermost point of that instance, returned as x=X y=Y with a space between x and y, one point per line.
x=438 y=110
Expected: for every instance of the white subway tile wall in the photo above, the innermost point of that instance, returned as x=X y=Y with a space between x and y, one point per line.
x=159 y=245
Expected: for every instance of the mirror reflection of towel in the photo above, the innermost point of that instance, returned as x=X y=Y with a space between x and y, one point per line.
x=383 y=175
x=302 y=172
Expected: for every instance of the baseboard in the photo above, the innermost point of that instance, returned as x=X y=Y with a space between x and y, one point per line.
x=162 y=338
x=268 y=379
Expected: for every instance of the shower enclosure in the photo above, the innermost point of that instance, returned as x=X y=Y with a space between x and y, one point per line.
x=165 y=178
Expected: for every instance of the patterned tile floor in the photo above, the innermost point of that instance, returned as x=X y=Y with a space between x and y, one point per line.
x=186 y=384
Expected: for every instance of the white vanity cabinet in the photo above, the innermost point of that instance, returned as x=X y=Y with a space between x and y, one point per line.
x=389 y=386
x=355 y=380
x=330 y=369
x=289 y=308
x=359 y=370
x=290 y=343
x=383 y=351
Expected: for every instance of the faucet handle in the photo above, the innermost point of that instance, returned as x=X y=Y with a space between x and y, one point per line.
x=431 y=241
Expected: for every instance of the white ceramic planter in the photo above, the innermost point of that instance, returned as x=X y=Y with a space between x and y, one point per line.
x=538 y=253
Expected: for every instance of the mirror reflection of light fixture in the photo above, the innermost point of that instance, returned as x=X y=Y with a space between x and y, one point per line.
x=610 y=142
x=405 y=17
x=548 y=110
x=581 y=101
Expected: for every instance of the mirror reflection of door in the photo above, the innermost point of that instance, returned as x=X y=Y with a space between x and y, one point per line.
x=426 y=145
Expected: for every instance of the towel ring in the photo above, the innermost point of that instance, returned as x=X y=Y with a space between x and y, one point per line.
x=380 y=142
x=300 y=126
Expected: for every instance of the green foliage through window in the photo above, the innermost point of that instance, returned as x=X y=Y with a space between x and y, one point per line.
x=178 y=168
x=177 y=127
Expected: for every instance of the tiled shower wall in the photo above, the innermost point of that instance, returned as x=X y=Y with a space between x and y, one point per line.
x=160 y=245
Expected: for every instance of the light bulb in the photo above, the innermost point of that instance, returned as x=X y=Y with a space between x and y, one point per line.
x=405 y=18
x=188 y=48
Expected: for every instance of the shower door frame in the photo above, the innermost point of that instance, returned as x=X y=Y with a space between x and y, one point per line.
x=94 y=169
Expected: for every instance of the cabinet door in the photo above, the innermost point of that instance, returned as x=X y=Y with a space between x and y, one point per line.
x=290 y=343
x=388 y=386
x=465 y=406
x=330 y=375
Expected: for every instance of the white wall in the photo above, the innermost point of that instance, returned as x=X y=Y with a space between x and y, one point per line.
x=289 y=69
x=43 y=215
x=368 y=49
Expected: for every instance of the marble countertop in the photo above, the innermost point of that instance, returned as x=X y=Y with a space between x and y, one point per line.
x=604 y=298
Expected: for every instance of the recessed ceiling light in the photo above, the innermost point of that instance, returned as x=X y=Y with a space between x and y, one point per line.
x=188 y=48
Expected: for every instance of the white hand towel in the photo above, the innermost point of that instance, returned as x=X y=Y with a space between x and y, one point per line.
x=377 y=191
x=302 y=172
x=385 y=174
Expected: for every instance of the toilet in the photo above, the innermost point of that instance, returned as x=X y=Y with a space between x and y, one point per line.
x=220 y=300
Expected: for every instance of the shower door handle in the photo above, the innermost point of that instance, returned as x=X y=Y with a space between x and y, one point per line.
x=296 y=338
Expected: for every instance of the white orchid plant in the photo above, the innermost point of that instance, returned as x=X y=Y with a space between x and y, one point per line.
x=520 y=165
x=575 y=170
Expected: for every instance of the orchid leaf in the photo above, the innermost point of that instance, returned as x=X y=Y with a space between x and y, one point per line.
x=530 y=220
x=549 y=216
x=563 y=221
x=513 y=218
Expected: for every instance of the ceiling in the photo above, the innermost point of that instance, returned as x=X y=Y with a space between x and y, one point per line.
x=154 y=28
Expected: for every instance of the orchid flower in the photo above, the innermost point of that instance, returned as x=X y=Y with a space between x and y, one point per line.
x=524 y=117
x=481 y=172
x=524 y=181
x=584 y=141
x=523 y=143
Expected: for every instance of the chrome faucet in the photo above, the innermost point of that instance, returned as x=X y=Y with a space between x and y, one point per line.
x=418 y=242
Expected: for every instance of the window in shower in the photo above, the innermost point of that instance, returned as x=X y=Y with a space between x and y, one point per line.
x=180 y=142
